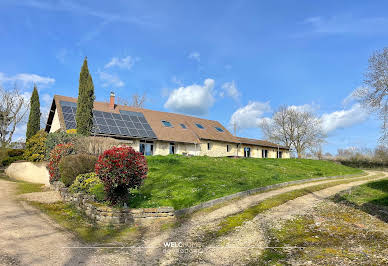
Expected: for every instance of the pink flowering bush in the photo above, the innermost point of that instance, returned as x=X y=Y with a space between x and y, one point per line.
x=120 y=169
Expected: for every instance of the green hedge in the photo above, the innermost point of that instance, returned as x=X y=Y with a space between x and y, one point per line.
x=73 y=165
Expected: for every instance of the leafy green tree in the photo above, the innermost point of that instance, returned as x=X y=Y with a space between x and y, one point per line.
x=33 y=125
x=84 y=115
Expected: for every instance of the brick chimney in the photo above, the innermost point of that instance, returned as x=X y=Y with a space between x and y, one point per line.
x=112 y=101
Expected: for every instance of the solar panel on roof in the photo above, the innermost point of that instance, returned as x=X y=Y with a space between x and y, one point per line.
x=151 y=134
x=147 y=127
x=142 y=132
x=120 y=123
x=142 y=119
x=104 y=129
x=133 y=132
x=124 y=131
x=97 y=114
x=125 y=117
x=130 y=113
x=126 y=123
x=110 y=122
x=68 y=117
x=114 y=130
x=70 y=125
x=135 y=119
x=101 y=121
x=107 y=115
x=116 y=116
x=129 y=124
x=66 y=109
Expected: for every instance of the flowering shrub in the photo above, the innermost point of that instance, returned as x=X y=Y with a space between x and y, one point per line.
x=71 y=131
x=35 y=147
x=56 y=155
x=120 y=169
x=89 y=183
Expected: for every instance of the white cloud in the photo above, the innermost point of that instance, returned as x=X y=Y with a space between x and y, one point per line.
x=250 y=115
x=124 y=63
x=24 y=80
x=194 y=99
x=305 y=107
x=195 y=56
x=231 y=90
x=344 y=118
x=352 y=97
x=110 y=80
x=347 y=24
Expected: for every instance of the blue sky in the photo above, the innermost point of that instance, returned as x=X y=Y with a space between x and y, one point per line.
x=222 y=60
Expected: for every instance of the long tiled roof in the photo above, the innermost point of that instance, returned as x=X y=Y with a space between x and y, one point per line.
x=263 y=143
x=176 y=133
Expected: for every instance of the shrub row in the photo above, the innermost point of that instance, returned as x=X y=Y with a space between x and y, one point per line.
x=72 y=160
x=363 y=163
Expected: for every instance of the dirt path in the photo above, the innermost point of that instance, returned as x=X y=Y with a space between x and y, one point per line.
x=28 y=237
x=191 y=229
x=248 y=240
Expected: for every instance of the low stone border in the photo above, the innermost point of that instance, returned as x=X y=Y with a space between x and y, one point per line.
x=109 y=215
x=246 y=193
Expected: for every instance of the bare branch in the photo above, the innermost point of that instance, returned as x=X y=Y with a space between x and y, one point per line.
x=13 y=108
x=300 y=130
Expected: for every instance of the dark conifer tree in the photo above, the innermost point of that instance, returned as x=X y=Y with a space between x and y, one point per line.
x=33 y=125
x=84 y=115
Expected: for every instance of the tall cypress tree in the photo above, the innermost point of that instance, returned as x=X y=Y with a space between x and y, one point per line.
x=84 y=115
x=33 y=124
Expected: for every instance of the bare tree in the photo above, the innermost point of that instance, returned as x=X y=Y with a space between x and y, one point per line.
x=298 y=129
x=374 y=95
x=13 y=108
x=137 y=101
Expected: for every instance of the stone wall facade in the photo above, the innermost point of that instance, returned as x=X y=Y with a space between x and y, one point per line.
x=108 y=215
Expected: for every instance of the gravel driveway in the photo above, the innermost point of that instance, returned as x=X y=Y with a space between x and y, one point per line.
x=27 y=237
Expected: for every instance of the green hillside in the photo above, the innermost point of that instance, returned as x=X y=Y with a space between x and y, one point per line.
x=182 y=182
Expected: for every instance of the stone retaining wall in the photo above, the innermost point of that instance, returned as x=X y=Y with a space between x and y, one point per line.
x=108 y=215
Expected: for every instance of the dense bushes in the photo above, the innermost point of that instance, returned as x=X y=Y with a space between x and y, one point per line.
x=15 y=152
x=8 y=160
x=73 y=165
x=60 y=137
x=56 y=155
x=35 y=147
x=121 y=169
x=363 y=162
x=89 y=183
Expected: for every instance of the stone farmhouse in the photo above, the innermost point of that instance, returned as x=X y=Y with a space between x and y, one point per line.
x=161 y=133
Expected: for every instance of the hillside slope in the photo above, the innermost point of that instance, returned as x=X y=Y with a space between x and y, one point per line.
x=182 y=182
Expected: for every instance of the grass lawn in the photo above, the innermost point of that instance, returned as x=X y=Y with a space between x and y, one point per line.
x=330 y=235
x=24 y=187
x=181 y=182
x=86 y=230
x=373 y=192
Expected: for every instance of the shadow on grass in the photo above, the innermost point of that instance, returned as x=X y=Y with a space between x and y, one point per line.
x=372 y=207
